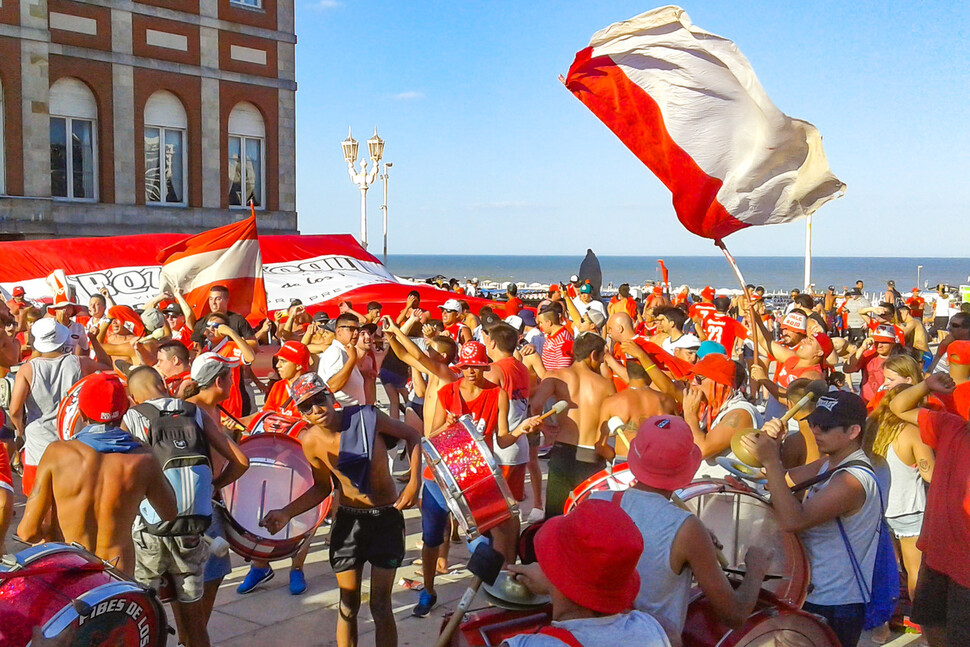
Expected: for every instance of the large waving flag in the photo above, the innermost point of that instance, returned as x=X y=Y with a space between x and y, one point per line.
x=687 y=103
x=226 y=256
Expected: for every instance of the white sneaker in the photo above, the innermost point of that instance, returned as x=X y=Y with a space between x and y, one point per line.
x=536 y=515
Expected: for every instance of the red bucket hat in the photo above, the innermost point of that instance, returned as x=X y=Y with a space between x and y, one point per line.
x=296 y=352
x=472 y=354
x=884 y=334
x=594 y=569
x=663 y=454
x=958 y=352
x=716 y=367
x=102 y=398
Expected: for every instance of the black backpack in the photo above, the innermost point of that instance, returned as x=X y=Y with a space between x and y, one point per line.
x=183 y=452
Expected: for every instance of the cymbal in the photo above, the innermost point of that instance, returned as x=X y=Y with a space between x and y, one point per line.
x=509 y=594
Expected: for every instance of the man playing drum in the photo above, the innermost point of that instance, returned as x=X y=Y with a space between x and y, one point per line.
x=351 y=445
x=677 y=546
x=96 y=480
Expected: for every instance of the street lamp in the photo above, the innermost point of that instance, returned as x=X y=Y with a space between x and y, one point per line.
x=363 y=179
x=387 y=165
x=918 y=268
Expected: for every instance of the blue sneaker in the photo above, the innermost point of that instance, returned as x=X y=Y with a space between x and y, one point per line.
x=425 y=603
x=297 y=581
x=254 y=578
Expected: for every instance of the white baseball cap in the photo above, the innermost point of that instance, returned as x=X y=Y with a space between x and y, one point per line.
x=686 y=342
x=452 y=305
x=207 y=366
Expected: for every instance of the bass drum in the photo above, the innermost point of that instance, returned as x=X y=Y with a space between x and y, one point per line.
x=615 y=480
x=65 y=590
x=773 y=624
x=271 y=422
x=740 y=518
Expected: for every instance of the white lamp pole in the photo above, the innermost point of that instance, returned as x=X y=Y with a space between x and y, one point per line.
x=918 y=268
x=387 y=165
x=363 y=179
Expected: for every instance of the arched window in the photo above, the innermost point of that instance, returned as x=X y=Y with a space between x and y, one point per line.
x=247 y=138
x=165 y=127
x=74 y=119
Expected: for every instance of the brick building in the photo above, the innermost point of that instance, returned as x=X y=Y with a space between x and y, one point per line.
x=145 y=116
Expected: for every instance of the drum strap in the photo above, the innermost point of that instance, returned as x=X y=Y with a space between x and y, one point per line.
x=618 y=496
x=804 y=485
x=563 y=635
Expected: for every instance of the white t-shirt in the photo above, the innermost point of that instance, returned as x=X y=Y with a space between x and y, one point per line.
x=634 y=628
x=941 y=307
x=583 y=308
x=332 y=361
x=536 y=338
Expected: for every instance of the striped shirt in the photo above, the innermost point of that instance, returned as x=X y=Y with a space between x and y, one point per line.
x=557 y=350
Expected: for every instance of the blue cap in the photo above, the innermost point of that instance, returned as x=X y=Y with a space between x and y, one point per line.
x=709 y=348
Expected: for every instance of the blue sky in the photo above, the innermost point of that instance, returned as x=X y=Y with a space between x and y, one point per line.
x=493 y=155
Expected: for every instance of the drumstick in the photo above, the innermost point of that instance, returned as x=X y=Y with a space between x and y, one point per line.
x=676 y=500
x=557 y=408
x=808 y=397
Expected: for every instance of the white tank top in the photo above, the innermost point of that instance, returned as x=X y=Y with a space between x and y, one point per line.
x=833 y=578
x=907 y=494
x=709 y=468
x=51 y=380
x=663 y=593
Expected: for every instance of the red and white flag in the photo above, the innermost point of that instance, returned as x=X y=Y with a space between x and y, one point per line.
x=226 y=256
x=687 y=103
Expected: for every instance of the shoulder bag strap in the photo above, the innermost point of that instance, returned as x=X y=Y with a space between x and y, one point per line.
x=824 y=476
x=563 y=635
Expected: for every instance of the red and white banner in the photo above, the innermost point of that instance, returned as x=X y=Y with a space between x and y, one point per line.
x=320 y=270
x=687 y=103
x=227 y=256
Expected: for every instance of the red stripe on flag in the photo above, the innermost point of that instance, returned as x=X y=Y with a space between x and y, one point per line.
x=212 y=240
x=636 y=119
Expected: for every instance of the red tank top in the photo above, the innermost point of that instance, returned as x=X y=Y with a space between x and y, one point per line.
x=788 y=372
x=483 y=409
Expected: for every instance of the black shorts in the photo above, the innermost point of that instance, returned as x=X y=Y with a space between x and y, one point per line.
x=941 y=602
x=374 y=535
x=940 y=323
x=417 y=408
x=569 y=466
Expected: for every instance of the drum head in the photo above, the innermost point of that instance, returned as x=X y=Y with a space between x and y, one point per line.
x=772 y=624
x=739 y=519
x=278 y=473
x=120 y=613
x=620 y=478
x=276 y=423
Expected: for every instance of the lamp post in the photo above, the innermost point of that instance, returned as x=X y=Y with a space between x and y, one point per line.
x=387 y=165
x=918 y=268
x=363 y=179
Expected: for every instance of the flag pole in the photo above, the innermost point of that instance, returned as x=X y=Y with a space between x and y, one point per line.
x=808 y=253
x=744 y=288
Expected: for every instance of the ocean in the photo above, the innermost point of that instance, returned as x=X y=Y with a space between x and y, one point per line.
x=773 y=272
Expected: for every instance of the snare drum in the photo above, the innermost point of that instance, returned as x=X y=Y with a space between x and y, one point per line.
x=772 y=623
x=466 y=472
x=275 y=423
x=278 y=473
x=615 y=480
x=63 y=588
x=741 y=518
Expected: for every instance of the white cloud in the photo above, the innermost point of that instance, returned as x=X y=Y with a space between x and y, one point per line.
x=324 y=5
x=410 y=95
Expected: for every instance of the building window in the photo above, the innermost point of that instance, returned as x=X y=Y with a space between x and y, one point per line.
x=165 y=150
x=252 y=4
x=73 y=140
x=247 y=145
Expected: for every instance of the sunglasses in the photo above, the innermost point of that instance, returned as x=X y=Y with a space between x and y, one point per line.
x=825 y=428
x=354 y=328
x=213 y=326
x=319 y=400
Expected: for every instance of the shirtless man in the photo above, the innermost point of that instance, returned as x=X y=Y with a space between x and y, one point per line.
x=95 y=482
x=916 y=335
x=452 y=319
x=580 y=448
x=369 y=524
x=633 y=405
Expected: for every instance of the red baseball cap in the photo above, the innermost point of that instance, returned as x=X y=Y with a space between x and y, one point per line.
x=958 y=352
x=716 y=367
x=308 y=385
x=658 y=290
x=102 y=398
x=472 y=354
x=554 y=287
x=708 y=292
x=824 y=342
x=296 y=352
x=18 y=291
x=884 y=334
x=796 y=321
x=663 y=454
x=594 y=569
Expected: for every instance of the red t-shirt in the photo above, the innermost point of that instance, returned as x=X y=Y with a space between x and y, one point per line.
x=915 y=305
x=174 y=382
x=557 y=350
x=483 y=409
x=6 y=476
x=184 y=336
x=701 y=310
x=454 y=331
x=872 y=378
x=945 y=538
x=228 y=348
x=512 y=306
x=279 y=400
x=724 y=330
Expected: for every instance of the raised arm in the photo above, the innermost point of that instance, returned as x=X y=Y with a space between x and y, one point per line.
x=236 y=461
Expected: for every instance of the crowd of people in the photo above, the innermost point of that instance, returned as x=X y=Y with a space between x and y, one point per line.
x=664 y=383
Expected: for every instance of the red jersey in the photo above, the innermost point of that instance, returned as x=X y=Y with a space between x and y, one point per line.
x=724 y=330
x=945 y=538
x=6 y=476
x=557 y=350
x=184 y=336
x=228 y=348
x=175 y=382
x=483 y=409
x=872 y=378
x=788 y=372
x=454 y=331
x=512 y=306
x=280 y=400
x=701 y=311
x=916 y=305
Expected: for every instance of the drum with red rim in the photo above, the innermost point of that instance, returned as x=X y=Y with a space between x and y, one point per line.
x=69 y=419
x=278 y=473
x=609 y=480
x=65 y=589
x=466 y=472
x=275 y=423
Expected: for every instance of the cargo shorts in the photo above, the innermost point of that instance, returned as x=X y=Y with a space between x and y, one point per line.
x=182 y=558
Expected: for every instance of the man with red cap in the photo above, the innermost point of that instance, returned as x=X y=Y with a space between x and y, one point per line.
x=916 y=304
x=95 y=481
x=591 y=576
x=870 y=357
x=19 y=300
x=941 y=604
x=677 y=547
x=715 y=409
